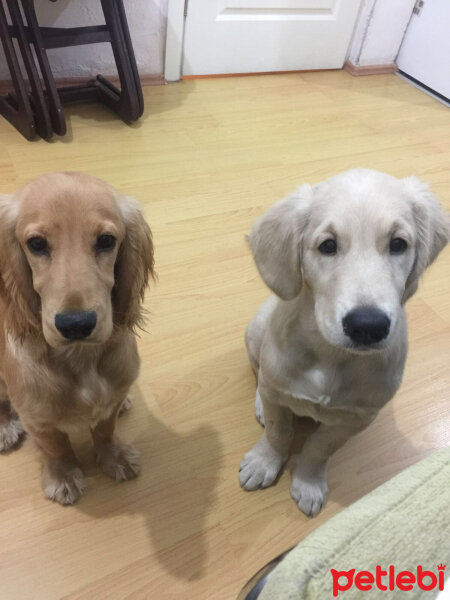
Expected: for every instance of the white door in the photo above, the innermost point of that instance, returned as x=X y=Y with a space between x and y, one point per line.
x=425 y=50
x=249 y=36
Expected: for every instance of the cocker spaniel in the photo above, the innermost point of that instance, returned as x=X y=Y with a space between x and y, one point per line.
x=75 y=260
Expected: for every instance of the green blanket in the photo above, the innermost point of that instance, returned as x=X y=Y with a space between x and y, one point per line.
x=403 y=524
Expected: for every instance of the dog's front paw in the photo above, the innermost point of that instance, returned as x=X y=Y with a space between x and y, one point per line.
x=119 y=461
x=10 y=434
x=63 y=486
x=260 y=467
x=309 y=490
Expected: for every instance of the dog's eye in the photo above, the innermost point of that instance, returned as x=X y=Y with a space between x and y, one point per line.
x=38 y=245
x=105 y=242
x=397 y=246
x=328 y=247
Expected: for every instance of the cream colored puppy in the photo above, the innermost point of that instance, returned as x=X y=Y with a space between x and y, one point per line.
x=342 y=257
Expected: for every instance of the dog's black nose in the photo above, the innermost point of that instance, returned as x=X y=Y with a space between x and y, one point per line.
x=366 y=325
x=77 y=324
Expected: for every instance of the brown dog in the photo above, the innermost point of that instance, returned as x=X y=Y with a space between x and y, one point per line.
x=75 y=259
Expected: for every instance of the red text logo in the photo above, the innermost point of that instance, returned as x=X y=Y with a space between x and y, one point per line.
x=388 y=580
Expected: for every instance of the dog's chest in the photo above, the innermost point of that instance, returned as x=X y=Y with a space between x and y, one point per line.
x=315 y=385
x=94 y=391
x=89 y=399
x=71 y=387
x=328 y=392
x=86 y=393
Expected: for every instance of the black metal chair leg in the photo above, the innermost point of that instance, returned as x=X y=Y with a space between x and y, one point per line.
x=42 y=117
x=54 y=102
x=17 y=110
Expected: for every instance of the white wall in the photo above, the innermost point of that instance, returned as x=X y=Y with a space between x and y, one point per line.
x=379 y=31
x=147 y=20
x=377 y=38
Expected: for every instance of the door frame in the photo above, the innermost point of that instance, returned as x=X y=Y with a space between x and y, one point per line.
x=174 y=39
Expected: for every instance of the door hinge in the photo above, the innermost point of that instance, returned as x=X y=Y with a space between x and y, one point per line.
x=186 y=7
x=417 y=6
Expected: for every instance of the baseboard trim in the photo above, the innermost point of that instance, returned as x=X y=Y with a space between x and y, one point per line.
x=224 y=75
x=66 y=81
x=370 y=69
x=153 y=79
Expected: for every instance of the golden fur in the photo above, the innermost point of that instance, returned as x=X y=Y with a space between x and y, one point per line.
x=51 y=383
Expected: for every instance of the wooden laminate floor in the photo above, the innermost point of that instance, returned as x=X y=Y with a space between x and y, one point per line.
x=207 y=158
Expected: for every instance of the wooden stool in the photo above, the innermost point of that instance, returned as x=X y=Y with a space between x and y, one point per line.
x=46 y=98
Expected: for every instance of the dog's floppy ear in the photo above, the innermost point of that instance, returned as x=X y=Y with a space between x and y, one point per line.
x=134 y=266
x=275 y=243
x=22 y=303
x=432 y=227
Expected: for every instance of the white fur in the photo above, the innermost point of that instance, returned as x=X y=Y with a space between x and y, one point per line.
x=64 y=488
x=303 y=358
x=119 y=461
x=10 y=434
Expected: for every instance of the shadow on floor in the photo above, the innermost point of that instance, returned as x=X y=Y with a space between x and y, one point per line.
x=174 y=492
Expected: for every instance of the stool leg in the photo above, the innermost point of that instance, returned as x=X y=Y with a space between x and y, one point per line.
x=127 y=105
x=53 y=99
x=42 y=117
x=16 y=110
x=130 y=51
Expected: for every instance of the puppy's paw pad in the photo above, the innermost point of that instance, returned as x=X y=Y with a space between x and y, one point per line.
x=310 y=494
x=259 y=470
x=65 y=489
x=126 y=405
x=10 y=434
x=120 y=461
